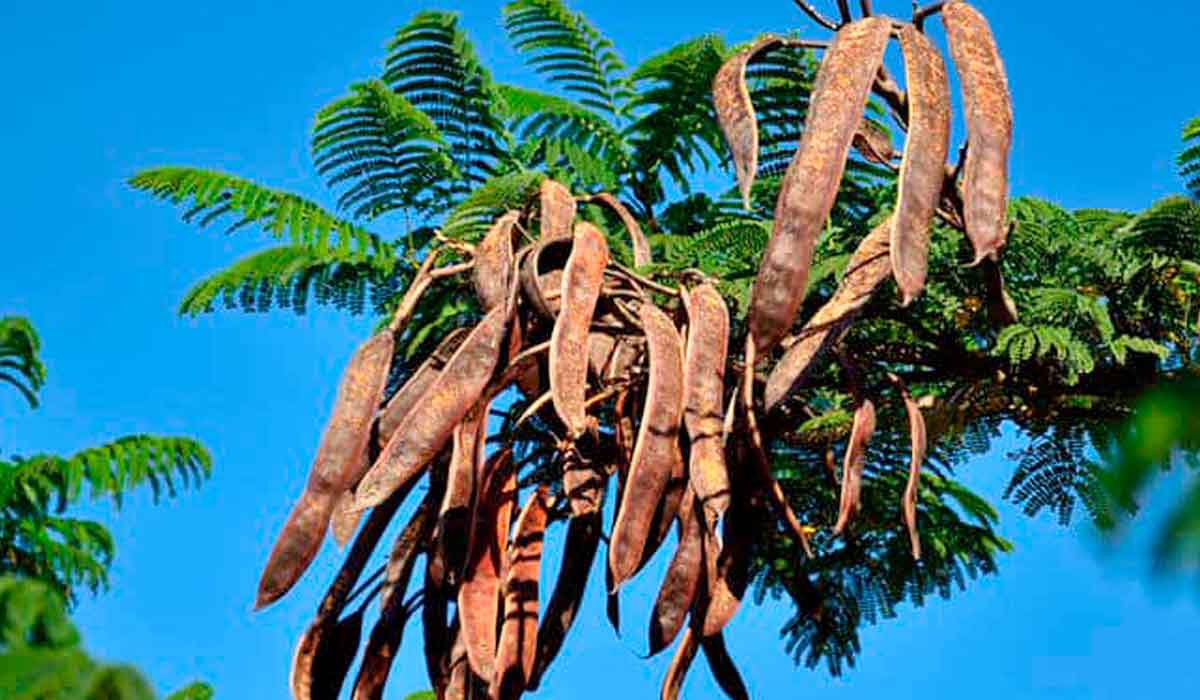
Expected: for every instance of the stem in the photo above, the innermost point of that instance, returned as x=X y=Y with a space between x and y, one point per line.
x=844 y=11
x=644 y=281
x=865 y=6
x=816 y=16
x=920 y=14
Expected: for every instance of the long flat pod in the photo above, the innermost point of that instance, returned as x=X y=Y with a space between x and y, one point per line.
x=814 y=175
x=541 y=274
x=852 y=464
x=869 y=266
x=493 y=269
x=402 y=402
x=641 y=247
x=323 y=657
x=703 y=388
x=679 y=586
x=558 y=210
x=466 y=462
x=479 y=592
x=735 y=113
x=723 y=668
x=685 y=653
x=987 y=107
x=579 y=551
x=581 y=282
x=656 y=453
x=428 y=426
x=726 y=567
x=583 y=482
x=919 y=440
x=517 y=649
x=923 y=168
x=437 y=638
x=337 y=464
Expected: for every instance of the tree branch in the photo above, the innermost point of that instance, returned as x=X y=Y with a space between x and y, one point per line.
x=816 y=16
x=920 y=14
x=844 y=11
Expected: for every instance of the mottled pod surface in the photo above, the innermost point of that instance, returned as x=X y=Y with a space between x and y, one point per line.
x=402 y=402
x=637 y=239
x=466 y=464
x=581 y=282
x=479 y=592
x=812 y=179
x=869 y=266
x=656 y=453
x=558 y=210
x=735 y=113
x=852 y=465
x=428 y=427
x=493 y=269
x=923 y=168
x=987 y=106
x=517 y=648
x=703 y=389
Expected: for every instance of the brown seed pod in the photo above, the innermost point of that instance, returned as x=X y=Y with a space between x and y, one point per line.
x=466 y=463
x=987 y=107
x=811 y=183
x=435 y=604
x=723 y=668
x=583 y=483
x=918 y=437
x=726 y=573
x=685 y=653
x=703 y=388
x=479 y=592
x=867 y=269
x=558 y=210
x=337 y=465
x=579 y=551
x=323 y=657
x=852 y=465
x=641 y=247
x=656 y=454
x=345 y=518
x=403 y=401
x=517 y=649
x=581 y=283
x=873 y=143
x=459 y=685
x=679 y=587
x=428 y=427
x=666 y=512
x=541 y=274
x=493 y=269
x=735 y=113
x=923 y=168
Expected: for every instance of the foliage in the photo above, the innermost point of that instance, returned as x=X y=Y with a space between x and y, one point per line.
x=19 y=362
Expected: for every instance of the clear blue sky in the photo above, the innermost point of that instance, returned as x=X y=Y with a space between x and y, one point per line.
x=98 y=90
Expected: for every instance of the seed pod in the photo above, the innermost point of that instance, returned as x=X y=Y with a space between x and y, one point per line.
x=852 y=465
x=427 y=428
x=345 y=518
x=583 y=483
x=466 y=462
x=493 y=269
x=323 y=657
x=703 y=388
x=579 y=551
x=917 y=434
x=541 y=274
x=437 y=638
x=723 y=668
x=336 y=467
x=873 y=143
x=656 y=454
x=479 y=592
x=814 y=175
x=641 y=247
x=685 y=653
x=923 y=169
x=726 y=567
x=682 y=580
x=735 y=113
x=402 y=402
x=517 y=648
x=581 y=282
x=666 y=512
x=461 y=678
x=987 y=107
x=868 y=268
x=558 y=210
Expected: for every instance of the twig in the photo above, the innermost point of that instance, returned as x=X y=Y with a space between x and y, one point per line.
x=816 y=16
x=451 y=270
x=865 y=6
x=460 y=246
x=844 y=11
x=920 y=14
x=420 y=283
x=644 y=281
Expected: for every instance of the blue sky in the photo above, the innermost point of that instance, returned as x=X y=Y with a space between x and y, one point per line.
x=100 y=90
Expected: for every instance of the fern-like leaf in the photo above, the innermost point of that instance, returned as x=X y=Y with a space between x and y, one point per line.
x=20 y=365
x=1189 y=159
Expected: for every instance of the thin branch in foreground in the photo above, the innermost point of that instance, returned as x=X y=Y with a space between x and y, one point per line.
x=816 y=16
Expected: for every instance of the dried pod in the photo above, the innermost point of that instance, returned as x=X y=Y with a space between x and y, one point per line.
x=337 y=465
x=726 y=573
x=873 y=142
x=656 y=454
x=641 y=247
x=558 y=210
x=583 y=483
x=461 y=680
x=685 y=653
x=987 y=107
x=811 y=183
x=666 y=512
x=852 y=465
x=679 y=587
x=403 y=401
x=541 y=274
x=428 y=427
x=437 y=637
x=345 y=517
x=723 y=668
x=517 y=649
x=600 y=351
x=735 y=113
x=479 y=592
x=917 y=435
x=867 y=269
x=323 y=657
x=581 y=282
x=466 y=464
x=703 y=388
x=923 y=169
x=579 y=551
x=493 y=269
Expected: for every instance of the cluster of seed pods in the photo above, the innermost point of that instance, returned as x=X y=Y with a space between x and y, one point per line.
x=634 y=384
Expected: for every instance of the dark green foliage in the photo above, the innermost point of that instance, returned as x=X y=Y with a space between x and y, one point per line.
x=1189 y=160
x=20 y=366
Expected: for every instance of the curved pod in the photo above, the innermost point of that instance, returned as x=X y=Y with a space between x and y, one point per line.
x=581 y=282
